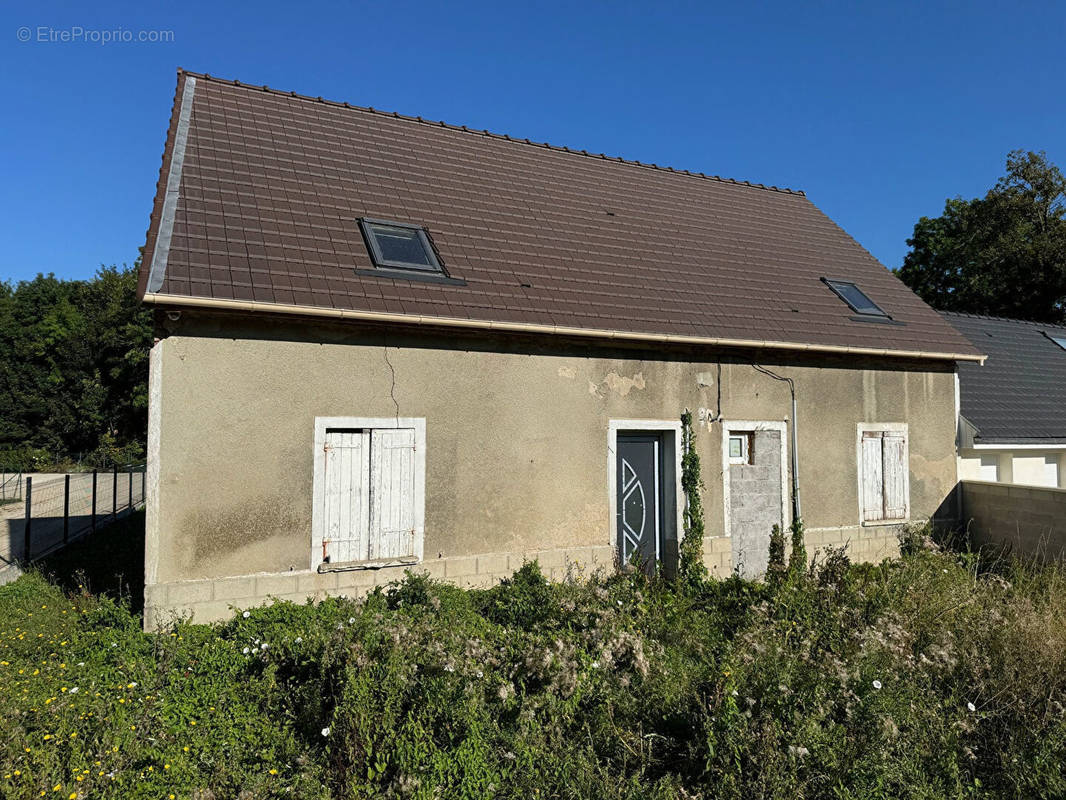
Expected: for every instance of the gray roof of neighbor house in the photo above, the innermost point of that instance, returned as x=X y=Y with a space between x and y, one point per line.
x=261 y=191
x=1019 y=395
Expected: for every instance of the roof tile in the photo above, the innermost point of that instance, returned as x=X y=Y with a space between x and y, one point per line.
x=273 y=183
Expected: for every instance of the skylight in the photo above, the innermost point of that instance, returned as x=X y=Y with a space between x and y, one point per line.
x=399 y=245
x=1057 y=338
x=855 y=297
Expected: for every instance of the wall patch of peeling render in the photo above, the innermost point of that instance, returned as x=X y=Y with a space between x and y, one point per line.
x=619 y=384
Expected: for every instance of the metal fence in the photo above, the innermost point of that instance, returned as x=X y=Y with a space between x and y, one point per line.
x=61 y=508
x=10 y=486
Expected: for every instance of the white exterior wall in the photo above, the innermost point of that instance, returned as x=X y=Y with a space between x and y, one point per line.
x=1022 y=466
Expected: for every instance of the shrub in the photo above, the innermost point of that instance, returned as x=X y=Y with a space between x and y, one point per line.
x=917 y=678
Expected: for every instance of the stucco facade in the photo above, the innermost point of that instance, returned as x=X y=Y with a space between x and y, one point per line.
x=1022 y=465
x=516 y=447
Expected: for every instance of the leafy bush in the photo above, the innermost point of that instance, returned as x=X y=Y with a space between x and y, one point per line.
x=915 y=678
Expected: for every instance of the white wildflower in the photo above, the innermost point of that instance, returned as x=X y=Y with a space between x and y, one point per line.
x=299 y=639
x=264 y=646
x=74 y=690
x=351 y=620
x=877 y=684
x=971 y=706
x=595 y=664
x=246 y=614
x=325 y=731
x=245 y=651
x=480 y=674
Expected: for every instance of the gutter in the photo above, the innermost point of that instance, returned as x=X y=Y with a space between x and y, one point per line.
x=188 y=301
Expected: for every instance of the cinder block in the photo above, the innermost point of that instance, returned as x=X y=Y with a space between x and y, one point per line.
x=476 y=581
x=353 y=580
x=454 y=567
x=312 y=582
x=386 y=575
x=492 y=564
x=719 y=544
x=602 y=555
x=434 y=568
x=189 y=593
x=213 y=611
x=548 y=559
x=581 y=557
x=275 y=585
x=235 y=588
x=299 y=598
x=155 y=595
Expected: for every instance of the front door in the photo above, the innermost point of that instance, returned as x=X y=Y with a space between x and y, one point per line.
x=640 y=498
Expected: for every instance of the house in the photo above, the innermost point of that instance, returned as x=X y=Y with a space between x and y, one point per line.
x=386 y=343
x=1012 y=427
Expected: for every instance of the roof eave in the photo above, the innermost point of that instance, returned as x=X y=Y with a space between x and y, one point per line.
x=188 y=301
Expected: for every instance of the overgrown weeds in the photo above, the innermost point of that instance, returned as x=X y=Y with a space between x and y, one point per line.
x=917 y=678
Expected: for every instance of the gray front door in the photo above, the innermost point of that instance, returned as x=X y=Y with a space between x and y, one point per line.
x=640 y=498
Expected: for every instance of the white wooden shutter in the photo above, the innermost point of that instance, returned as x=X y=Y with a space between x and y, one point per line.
x=392 y=493
x=894 y=470
x=346 y=497
x=872 y=478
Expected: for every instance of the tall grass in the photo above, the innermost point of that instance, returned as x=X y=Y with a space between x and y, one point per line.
x=923 y=677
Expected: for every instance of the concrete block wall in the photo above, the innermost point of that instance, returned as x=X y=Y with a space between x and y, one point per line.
x=1029 y=520
x=214 y=599
x=871 y=543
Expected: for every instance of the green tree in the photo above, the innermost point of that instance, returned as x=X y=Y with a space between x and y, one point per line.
x=73 y=364
x=1003 y=254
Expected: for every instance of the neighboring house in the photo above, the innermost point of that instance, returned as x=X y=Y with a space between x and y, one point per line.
x=1012 y=427
x=387 y=343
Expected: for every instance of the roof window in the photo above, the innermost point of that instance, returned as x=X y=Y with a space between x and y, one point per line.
x=1057 y=338
x=855 y=297
x=399 y=245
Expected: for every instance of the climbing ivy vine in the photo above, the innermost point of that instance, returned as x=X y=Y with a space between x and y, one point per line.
x=691 y=571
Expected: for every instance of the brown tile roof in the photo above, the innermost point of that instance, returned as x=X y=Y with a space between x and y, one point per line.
x=271 y=184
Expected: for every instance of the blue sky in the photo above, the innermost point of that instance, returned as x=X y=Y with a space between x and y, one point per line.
x=879 y=111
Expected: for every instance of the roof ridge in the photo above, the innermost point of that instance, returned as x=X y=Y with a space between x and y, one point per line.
x=996 y=318
x=505 y=137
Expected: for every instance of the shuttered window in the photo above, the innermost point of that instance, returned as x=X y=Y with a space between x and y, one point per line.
x=368 y=499
x=884 y=475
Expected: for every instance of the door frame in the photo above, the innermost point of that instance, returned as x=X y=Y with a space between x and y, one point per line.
x=673 y=502
x=750 y=426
